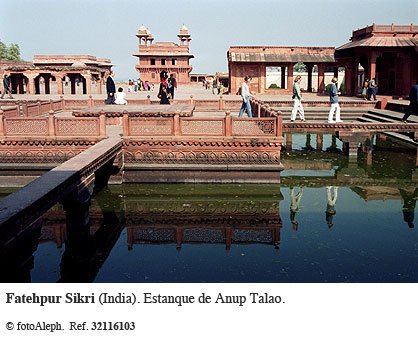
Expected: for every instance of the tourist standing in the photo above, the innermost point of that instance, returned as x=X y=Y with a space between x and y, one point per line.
x=136 y=85
x=297 y=100
x=413 y=102
x=120 y=97
x=130 y=83
x=294 y=206
x=163 y=93
x=364 y=92
x=333 y=97
x=172 y=84
x=111 y=89
x=245 y=93
x=371 y=89
x=7 y=87
x=330 y=212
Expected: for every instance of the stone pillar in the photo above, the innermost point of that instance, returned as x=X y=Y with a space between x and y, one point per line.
x=99 y=85
x=31 y=84
x=309 y=67
x=319 y=141
x=290 y=76
x=228 y=236
x=228 y=124
x=355 y=76
x=59 y=84
x=289 y=139
x=283 y=74
x=72 y=81
x=47 y=79
x=372 y=66
x=321 y=83
x=348 y=87
x=87 y=83
x=336 y=72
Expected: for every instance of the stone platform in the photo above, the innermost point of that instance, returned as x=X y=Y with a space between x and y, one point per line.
x=185 y=110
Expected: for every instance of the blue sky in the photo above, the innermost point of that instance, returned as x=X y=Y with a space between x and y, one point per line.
x=107 y=28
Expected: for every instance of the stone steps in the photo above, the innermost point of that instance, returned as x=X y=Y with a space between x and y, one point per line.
x=387 y=116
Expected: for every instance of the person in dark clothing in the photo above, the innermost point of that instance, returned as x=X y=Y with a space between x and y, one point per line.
x=164 y=93
x=111 y=89
x=6 y=85
x=413 y=103
x=172 y=83
x=409 y=203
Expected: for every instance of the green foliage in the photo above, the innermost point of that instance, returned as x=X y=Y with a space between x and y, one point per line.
x=274 y=86
x=11 y=53
x=3 y=51
x=328 y=87
x=299 y=67
x=342 y=87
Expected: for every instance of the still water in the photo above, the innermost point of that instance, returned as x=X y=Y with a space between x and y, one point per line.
x=331 y=219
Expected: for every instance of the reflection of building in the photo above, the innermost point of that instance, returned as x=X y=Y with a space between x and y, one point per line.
x=388 y=53
x=159 y=56
x=26 y=77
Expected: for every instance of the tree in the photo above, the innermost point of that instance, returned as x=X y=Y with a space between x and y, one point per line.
x=299 y=67
x=13 y=52
x=3 y=51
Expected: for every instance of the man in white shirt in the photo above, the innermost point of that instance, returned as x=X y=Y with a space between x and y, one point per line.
x=245 y=93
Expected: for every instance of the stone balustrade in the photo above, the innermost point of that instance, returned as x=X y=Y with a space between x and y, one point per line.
x=52 y=126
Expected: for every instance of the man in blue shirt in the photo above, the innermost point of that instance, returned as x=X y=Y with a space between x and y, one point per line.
x=413 y=103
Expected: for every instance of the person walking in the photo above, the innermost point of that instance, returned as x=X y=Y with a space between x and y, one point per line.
x=372 y=89
x=297 y=101
x=413 y=103
x=333 y=97
x=7 y=87
x=294 y=206
x=111 y=89
x=163 y=93
x=330 y=212
x=245 y=93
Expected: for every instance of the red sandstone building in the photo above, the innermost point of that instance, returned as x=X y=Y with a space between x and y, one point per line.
x=388 y=53
x=253 y=61
x=159 y=56
x=49 y=69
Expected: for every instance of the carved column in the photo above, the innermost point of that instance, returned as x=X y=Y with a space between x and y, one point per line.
x=59 y=84
x=309 y=67
x=321 y=83
x=290 y=76
x=283 y=74
x=319 y=141
x=31 y=84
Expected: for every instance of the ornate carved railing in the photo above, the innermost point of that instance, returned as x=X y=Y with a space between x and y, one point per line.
x=177 y=126
x=52 y=126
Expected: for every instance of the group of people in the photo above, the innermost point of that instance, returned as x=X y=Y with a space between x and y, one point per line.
x=139 y=85
x=333 y=97
x=165 y=93
x=330 y=212
x=369 y=89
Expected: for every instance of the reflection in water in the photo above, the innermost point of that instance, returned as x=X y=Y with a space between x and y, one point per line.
x=235 y=233
x=330 y=212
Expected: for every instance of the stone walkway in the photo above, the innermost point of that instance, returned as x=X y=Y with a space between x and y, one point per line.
x=182 y=93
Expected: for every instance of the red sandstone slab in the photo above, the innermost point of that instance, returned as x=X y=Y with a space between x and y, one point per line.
x=154 y=110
